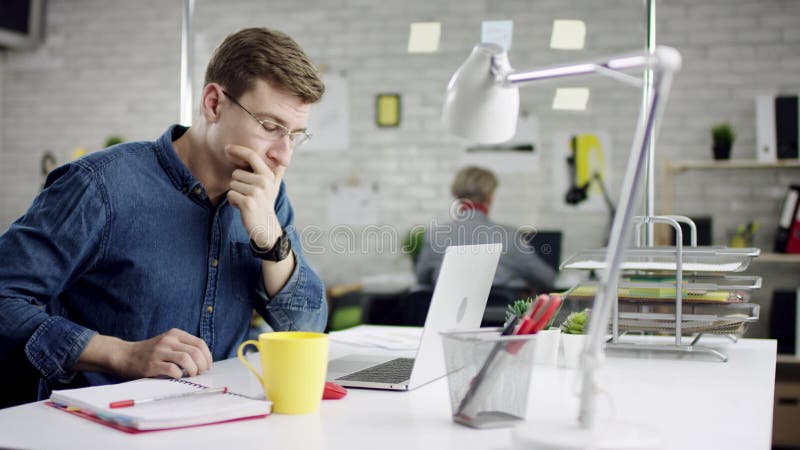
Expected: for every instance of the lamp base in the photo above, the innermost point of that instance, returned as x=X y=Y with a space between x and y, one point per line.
x=552 y=435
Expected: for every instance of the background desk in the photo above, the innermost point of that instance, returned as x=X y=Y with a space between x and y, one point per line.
x=694 y=403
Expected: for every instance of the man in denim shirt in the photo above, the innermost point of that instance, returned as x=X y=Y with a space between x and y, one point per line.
x=148 y=258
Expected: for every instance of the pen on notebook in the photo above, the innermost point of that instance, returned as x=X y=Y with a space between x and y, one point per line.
x=138 y=401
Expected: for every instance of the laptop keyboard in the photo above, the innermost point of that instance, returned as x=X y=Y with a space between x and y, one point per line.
x=394 y=371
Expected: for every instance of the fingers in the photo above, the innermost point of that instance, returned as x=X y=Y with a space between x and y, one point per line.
x=176 y=350
x=279 y=171
x=183 y=360
x=246 y=155
x=246 y=177
x=243 y=188
x=167 y=369
x=258 y=166
x=236 y=199
x=196 y=347
x=200 y=345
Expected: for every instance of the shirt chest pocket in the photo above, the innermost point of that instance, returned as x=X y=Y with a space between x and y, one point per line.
x=244 y=273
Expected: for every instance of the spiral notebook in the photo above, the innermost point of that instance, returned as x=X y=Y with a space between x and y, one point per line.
x=93 y=403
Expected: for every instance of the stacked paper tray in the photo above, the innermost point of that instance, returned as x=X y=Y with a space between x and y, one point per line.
x=730 y=319
x=714 y=259
x=695 y=289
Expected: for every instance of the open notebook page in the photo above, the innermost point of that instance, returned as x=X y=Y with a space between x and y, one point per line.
x=171 y=413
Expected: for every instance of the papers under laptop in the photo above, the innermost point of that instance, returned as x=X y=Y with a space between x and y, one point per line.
x=458 y=301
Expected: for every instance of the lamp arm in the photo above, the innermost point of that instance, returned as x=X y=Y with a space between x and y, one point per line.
x=666 y=63
x=610 y=67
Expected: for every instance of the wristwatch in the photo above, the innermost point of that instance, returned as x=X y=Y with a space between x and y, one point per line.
x=278 y=252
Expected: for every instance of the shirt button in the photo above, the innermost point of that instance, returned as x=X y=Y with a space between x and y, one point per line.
x=209 y=309
x=185 y=189
x=197 y=190
x=214 y=262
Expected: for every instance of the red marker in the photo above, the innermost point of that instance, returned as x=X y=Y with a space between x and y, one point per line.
x=131 y=402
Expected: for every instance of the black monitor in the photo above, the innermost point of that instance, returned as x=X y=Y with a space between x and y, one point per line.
x=547 y=245
x=21 y=23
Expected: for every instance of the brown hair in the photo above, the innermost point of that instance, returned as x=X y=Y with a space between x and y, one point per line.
x=474 y=183
x=259 y=53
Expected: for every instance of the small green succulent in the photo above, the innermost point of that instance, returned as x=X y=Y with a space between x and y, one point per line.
x=518 y=308
x=576 y=322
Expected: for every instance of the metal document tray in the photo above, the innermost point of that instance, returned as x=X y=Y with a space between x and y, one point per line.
x=730 y=319
x=713 y=259
x=659 y=290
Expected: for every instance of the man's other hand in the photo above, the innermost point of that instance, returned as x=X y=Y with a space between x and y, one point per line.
x=170 y=354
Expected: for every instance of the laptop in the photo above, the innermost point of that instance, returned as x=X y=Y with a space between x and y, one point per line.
x=458 y=301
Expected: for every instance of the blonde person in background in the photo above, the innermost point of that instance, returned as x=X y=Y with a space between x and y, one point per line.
x=149 y=257
x=520 y=270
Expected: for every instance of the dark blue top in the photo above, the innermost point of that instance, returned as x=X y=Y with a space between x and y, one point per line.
x=125 y=242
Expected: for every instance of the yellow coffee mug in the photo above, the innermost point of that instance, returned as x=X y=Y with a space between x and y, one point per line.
x=294 y=365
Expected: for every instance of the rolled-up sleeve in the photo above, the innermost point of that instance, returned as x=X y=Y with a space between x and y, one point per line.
x=58 y=238
x=301 y=303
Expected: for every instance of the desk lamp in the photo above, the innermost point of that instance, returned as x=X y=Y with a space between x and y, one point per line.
x=482 y=104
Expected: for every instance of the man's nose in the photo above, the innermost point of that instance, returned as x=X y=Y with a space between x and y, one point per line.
x=281 y=150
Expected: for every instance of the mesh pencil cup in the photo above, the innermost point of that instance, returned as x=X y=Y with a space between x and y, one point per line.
x=488 y=376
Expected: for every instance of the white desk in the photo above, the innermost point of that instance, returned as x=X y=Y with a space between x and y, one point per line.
x=695 y=403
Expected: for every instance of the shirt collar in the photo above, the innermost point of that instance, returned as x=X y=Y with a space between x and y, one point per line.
x=176 y=170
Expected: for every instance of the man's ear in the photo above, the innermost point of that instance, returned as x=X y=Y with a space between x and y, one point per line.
x=210 y=102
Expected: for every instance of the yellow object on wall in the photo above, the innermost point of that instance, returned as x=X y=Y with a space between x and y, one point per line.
x=387 y=110
x=589 y=159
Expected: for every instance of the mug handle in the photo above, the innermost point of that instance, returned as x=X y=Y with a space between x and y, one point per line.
x=244 y=360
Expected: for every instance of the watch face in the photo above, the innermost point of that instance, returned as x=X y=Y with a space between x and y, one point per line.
x=284 y=247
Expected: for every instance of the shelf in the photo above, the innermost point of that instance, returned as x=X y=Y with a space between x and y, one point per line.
x=672 y=168
x=790 y=258
x=731 y=164
x=784 y=358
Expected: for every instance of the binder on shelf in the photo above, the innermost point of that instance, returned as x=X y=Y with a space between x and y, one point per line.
x=784 y=321
x=793 y=241
x=786 y=127
x=787 y=218
x=765 y=128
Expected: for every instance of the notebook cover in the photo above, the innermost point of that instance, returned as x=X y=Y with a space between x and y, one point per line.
x=89 y=416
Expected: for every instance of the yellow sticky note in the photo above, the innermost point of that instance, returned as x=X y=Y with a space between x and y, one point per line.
x=574 y=99
x=424 y=37
x=568 y=35
x=388 y=110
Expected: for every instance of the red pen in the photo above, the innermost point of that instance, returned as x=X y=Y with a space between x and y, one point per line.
x=133 y=402
x=526 y=324
x=548 y=312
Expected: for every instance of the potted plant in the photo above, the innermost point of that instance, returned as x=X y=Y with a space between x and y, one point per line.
x=573 y=338
x=722 y=136
x=518 y=308
x=412 y=243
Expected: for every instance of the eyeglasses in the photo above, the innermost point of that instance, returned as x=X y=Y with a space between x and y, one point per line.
x=274 y=130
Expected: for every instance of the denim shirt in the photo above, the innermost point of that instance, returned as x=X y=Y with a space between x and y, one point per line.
x=125 y=242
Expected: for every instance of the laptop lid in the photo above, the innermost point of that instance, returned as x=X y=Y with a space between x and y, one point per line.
x=459 y=299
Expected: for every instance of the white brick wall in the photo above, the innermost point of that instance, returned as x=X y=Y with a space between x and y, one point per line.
x=111 y=67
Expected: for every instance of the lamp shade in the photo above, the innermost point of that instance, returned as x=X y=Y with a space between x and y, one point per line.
x=477 y=105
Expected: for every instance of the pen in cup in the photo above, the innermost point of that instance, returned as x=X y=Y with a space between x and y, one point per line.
x=133 y=402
